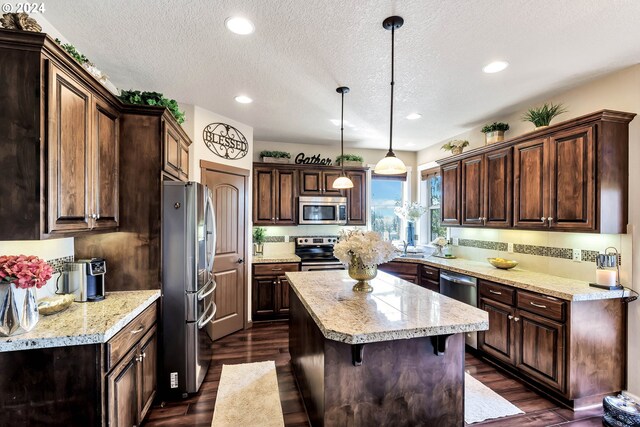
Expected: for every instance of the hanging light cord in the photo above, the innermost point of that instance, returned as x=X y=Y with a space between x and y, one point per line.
x=342 y=134
x=393 y=31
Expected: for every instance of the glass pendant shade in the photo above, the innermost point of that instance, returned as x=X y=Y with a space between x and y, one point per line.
x=390 y=165
x=342 y=182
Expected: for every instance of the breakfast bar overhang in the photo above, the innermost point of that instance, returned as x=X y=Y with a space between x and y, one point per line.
x=391 y=357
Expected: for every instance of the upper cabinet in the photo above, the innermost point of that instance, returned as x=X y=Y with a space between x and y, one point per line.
x=61 y=139
x=572 y=176
x=276 y=188
x=274 y=196
x=176 y=151
x=318 y=182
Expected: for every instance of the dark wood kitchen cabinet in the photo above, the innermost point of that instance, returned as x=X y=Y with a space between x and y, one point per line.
x=574 y=350
x=61 y=137
x=429 y=277
x=176 y=152
x=357 y=198
x=572 y=176
x=486 y=189
x=451 y=189
x=405 y=270
x=274 y=196
x=270 y=291
x=103 y=384
x=318 y=182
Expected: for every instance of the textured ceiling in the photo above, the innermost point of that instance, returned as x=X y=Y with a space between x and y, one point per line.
x=303 y=49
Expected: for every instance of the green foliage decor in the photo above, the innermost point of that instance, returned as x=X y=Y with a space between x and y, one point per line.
x=349 y=158
x=495 y=126
x=542 y=116
x=456 y=143
x=73 y=52
x=155 y=99
x=275 y=154
x=259 y=235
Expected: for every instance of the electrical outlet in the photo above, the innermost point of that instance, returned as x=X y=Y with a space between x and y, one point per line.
x=455 y=241
x=510 y=248
x=577 y=255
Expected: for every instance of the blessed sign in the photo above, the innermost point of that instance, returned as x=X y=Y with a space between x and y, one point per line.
x=225 y=141
x=301 y=159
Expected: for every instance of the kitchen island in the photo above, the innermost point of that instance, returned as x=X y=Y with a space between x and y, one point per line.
x=391 y=357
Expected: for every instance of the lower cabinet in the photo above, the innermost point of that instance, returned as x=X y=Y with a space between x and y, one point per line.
x=270 y=291
x=430 y=277
x=131 y=383
x=575 y=350
x=404 y=270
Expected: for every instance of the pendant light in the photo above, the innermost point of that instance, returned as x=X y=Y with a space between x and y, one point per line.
x=342 y=182
x=390 y=164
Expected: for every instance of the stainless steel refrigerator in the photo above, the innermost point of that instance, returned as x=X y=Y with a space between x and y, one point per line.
x=188 y=249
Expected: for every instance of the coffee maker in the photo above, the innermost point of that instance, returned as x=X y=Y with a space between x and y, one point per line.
x=85 y=279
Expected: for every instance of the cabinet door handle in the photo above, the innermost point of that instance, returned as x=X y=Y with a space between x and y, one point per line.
x=515 y=319
x=537 y=305
x=510 y=317
x=550 y=219
x=137 y=331
x=543 y=219
x=495 y=292
x=277 y=218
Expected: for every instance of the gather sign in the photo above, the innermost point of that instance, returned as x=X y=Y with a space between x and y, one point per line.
x=316 y=159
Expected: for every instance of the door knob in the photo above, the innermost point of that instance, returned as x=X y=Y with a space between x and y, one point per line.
x=240 y=261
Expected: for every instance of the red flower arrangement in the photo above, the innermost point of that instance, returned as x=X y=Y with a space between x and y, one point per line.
x=24 y=271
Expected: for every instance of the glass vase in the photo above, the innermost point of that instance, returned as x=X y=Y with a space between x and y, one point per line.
x=18 y=310
x=411 y=233
x=362 y=273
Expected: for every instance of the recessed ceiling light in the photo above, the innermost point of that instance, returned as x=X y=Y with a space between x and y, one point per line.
x=414 y=116
x=495 y=67
x=239 y=25
x=242 y=99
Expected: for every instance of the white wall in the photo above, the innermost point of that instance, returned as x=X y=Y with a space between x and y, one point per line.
x=616 y=91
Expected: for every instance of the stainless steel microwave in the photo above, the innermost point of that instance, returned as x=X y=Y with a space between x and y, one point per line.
x=322 y=210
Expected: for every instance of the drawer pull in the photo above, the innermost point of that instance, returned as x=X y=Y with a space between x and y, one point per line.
x=276 y=269
x=137 y=331
x=495 y=292
x=537 y=305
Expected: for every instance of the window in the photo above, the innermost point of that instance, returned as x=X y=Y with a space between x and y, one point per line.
x=431 y=193
x=385 y=196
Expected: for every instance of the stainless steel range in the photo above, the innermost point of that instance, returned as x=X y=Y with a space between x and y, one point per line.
x=316 y=253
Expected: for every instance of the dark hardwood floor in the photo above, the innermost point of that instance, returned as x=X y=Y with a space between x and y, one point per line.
x=270 y=341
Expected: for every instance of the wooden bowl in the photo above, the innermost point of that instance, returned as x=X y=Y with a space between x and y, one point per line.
x=504 y=264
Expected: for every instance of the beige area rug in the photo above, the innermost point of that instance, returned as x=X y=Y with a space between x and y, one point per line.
x=248 y=396
x=481 y=403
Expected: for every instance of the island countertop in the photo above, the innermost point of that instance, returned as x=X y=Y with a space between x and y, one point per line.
x=83 y=323
x=396 y=309
x=546 y=284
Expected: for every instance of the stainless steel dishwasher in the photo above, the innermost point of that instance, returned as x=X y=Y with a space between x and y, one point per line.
x=462 y=288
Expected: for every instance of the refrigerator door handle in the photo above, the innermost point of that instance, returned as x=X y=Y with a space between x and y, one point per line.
x=202 y=323
x=202 y=294
x=210 y=215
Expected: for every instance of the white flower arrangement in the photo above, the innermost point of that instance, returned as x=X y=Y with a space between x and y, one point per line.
x=440 y=242
x=410 y=211
x=368 y=245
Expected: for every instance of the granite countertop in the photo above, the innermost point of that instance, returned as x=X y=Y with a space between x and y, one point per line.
x=275 y=258
x=396 y=309
x=559 y=287
x=83 y=323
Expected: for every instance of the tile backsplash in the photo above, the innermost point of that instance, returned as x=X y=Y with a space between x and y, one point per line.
x=547 y=252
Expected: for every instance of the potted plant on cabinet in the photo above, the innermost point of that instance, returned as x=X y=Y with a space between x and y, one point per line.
x=259 y=237
x=156 y=99
x=349 y=160
x=542 y=116
x=494 y=132
x=456 y=146
x=275 y=156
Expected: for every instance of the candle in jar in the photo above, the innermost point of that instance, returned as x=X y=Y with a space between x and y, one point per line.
x=606 y=277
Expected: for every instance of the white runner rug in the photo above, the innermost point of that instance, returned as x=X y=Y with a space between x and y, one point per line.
x=248 y=396
x=481 y=403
